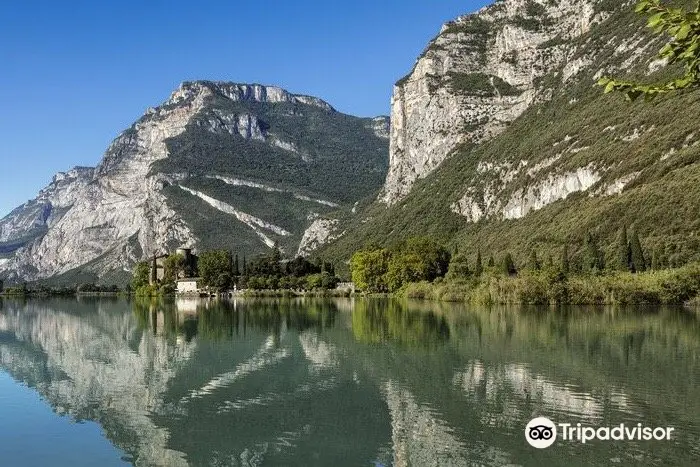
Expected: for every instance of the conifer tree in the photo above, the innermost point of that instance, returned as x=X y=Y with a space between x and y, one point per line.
x=595 y=260
x=637 y=253
x=565 y=264
x=236 y=269
x=478 y=267
x=533 y=262
x=245 y=266
x=509 y=265
x=623 y=251
x=655 y=259
x=492 y=262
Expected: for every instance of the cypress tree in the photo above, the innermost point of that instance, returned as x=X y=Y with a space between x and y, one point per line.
x=509 y=265
x=492 y=262
x=245 y=267
x=533 y=262
x=623 y=251
x=638 y=261
x=655 y=259
x=478 y=267
x=595 y=261
x=236 y=269
x=565 y=264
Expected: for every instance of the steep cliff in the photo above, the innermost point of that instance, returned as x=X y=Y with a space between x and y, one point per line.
x=218 y=165
x=501 y=141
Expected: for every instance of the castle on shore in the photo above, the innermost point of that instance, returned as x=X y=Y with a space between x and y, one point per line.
x=187 y=270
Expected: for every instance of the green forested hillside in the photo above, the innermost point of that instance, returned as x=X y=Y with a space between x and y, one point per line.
x=652 y=146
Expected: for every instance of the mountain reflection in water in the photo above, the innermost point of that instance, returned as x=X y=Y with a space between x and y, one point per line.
x=356 y=382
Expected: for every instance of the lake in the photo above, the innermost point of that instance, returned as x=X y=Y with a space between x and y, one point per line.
x=363 y=382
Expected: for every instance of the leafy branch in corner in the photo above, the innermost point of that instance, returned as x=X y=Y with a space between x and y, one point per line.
x=684 y=27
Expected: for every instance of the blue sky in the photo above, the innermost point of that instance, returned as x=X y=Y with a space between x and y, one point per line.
x=76 y=73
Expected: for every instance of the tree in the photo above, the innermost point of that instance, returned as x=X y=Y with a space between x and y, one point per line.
x=403 y=269
x=478 y=267
x=623 y=251
x=434 y=257
x=459 y=267
x=637 y=254
x=684 y=28
x=594 y=256
x=492 y=262
x=533 y=263
x=140 y=275
x=509 y=265
x=213 y=265
x=173 y=266
x=368 y=269
x=565 y=263
x=236 y=269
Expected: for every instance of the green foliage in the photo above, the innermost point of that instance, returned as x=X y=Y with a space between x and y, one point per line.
x=459 y=267
x=478 y=267
x=623 y=251
x=369 y=267
x=552 y=286
x=215 y=268
x=533 y=263
x=508 y=265
x=174 y=265
x=377 y=270
x=480 y=84
x=684 y=28
x=140 y=275
x=565 y=262
x=638 y=260
x=594 y=258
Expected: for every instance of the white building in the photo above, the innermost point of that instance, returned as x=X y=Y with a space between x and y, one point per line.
x=189 y=285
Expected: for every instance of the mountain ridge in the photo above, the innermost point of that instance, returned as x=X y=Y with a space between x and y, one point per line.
x=153 y=189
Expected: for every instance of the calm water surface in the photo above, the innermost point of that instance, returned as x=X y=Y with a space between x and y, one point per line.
x=363 y=382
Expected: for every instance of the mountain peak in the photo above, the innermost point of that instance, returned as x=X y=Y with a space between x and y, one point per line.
x=243 y=92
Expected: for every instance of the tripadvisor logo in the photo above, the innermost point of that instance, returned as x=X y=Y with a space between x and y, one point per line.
x=541 y=433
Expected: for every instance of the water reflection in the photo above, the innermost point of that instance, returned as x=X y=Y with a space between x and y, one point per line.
x=375 y=321
x=308 y=382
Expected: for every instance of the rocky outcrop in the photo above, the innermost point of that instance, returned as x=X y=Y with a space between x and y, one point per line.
x=48 y=207
x=479 y=74
x=320 y=232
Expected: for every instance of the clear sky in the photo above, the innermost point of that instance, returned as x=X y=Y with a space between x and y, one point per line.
x=74 y=74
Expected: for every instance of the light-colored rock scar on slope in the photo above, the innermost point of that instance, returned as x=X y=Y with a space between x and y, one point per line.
x=553 y=188
x=251 y=184
x=253 y=222
x=320 y=232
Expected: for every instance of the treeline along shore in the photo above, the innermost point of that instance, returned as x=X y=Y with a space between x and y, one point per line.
x=422 y=268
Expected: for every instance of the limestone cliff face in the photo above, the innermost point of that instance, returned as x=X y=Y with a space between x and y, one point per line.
x=479 y=74
x=48 y=207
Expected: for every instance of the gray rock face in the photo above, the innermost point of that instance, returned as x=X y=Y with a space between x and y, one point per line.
x=475 y=77
x=48 y=207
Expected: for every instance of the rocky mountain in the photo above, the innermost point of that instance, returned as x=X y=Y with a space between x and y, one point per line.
x=500 y=139
x=218 y=165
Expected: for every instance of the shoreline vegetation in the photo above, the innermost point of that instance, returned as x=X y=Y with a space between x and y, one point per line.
x=420 y=268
